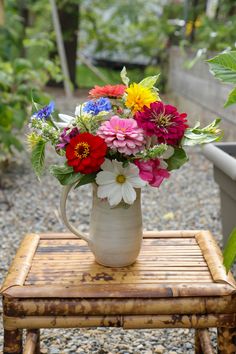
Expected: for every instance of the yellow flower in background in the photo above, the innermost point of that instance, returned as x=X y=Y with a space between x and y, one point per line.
x=139 y=96
x=189 y=26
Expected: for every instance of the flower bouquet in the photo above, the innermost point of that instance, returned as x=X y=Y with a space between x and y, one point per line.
x=122 y=138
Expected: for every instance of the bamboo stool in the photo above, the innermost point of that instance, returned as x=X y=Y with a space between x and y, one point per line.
x=178 y=281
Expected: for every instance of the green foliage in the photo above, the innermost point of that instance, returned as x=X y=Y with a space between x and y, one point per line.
x=38 y=157
x=124 y=77
x=152 y=153
x=121 y=32
x=178 y=159
x=231 y=98
x=229 y=253
x=65 y=174
x=223 y=67
x=149 y=81
x=25 y=67
x=197 y=135
x=86 y=179
x=87 y=79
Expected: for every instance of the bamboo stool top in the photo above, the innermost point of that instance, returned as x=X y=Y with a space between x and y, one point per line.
x=171 y=264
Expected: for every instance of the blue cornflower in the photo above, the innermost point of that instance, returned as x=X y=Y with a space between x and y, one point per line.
x=45 y=112
x=96 y=106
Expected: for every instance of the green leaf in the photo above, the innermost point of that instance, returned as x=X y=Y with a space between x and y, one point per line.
x=231 y=98
x=65 y=174
x=85 y=179
x=149 y=81
x=38 y=157
x=197 y=135
x=124 y=77
x=229 y=253
x=177 y=159
x=223 y=67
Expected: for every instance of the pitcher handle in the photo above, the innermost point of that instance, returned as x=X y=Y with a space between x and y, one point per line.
x=65 y=191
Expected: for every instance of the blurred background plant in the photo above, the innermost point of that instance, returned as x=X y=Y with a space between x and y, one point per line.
x=26 y=41
x=210 y=27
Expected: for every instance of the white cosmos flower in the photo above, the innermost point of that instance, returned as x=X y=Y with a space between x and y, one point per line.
x=117 y=183
x=65 y=120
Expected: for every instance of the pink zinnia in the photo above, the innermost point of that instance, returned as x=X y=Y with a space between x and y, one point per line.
x=153 y=171
x=122 y=135
x=163 y=121
x=111 y=91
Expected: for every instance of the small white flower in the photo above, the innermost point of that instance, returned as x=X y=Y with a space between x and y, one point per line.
x=79 y=109
x=117 y=183
x=66 y=121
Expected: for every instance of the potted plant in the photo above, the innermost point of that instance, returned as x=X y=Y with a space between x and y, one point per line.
x=121 y=139
x=223 y=155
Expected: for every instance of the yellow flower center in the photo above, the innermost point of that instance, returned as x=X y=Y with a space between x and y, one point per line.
x=82 y=150
x=161 y=119
x=121 y=179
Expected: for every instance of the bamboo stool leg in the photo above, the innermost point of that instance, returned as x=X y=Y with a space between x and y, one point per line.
x=203 y=342
x=198 y=348
x=226 y=340
x=32 y=344
x=12 y=342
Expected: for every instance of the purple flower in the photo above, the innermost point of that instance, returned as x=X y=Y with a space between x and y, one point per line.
x=45 y=112
x=96 y=106
x=66 y=136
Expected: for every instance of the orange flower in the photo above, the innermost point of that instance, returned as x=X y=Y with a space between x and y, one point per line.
x=111 y=91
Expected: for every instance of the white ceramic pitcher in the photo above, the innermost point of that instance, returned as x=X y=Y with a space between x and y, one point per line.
x=115 y=234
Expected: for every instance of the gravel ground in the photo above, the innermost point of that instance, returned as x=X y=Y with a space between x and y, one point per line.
x=188 y=200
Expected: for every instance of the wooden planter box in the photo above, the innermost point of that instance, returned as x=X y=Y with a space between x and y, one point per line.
x=223 y=156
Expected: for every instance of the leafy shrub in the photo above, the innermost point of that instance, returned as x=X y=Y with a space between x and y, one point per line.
x=25 y=68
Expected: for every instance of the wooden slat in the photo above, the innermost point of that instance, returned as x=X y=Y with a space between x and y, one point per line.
x=214 y=259
x=146 y=234
x=171 y=264
x=22 y=262
x=121 y=290
x=127 y=322
x=64 y=258
x=119 y=306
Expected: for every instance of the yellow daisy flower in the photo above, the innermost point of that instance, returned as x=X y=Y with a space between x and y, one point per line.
x=139 y=96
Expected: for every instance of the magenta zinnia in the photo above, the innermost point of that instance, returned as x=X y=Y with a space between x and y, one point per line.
x=162 y=121
x=122 y=135
x=153 y=171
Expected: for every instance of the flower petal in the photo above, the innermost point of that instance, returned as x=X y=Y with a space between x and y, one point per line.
x=118 y=168
x=105 y=177
x=115 y=196
x=107 y=165
x=136 y=182
x=104 y=191
x=65 y=118
x=128 y=193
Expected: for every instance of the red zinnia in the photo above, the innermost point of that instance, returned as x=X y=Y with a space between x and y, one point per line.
x=86 y=152
x=111 y=91
x=163 y=121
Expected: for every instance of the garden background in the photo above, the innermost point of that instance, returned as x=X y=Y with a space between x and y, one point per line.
x=173 y=38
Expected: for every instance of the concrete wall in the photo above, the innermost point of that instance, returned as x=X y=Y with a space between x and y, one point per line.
x=196 y=92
